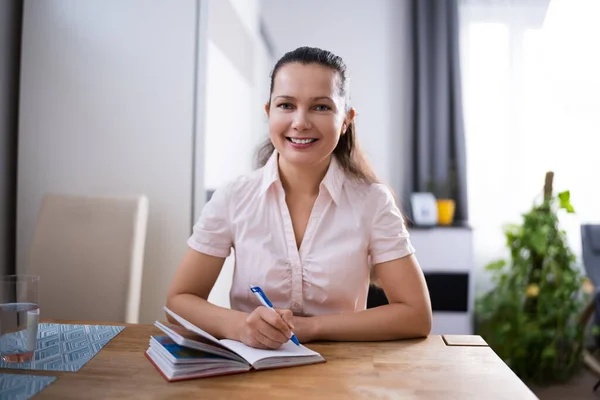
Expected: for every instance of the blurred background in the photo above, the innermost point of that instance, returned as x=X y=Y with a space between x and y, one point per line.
x=470 y=100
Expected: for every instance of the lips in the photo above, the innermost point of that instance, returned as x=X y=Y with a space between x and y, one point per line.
x=301 y=143
x=301 y=140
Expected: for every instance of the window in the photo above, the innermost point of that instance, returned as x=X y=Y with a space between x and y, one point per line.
x=531 y=92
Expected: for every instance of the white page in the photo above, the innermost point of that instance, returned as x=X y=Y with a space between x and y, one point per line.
x=209 y=348
x=191 y=327
x=253 y=355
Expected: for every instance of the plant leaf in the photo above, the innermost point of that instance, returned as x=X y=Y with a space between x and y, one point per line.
x=496 y=265
x=549 y=351
x=538 y=241
x=565 y=201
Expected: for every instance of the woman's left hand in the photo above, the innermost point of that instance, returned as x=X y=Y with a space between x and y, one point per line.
x=304 y=328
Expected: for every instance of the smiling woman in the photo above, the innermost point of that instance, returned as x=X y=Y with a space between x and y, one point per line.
x=310 y=227
x=323 y=76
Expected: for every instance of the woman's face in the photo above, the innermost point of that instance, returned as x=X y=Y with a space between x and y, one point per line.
x=306 y=114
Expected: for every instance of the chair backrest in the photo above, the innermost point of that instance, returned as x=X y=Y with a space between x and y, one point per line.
x=590 y=250
x=89 y=253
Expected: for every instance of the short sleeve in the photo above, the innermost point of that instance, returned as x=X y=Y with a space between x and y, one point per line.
x=212 y=233
x=389 y=238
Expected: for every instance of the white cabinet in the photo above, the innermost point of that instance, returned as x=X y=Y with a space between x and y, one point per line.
x=446 y=257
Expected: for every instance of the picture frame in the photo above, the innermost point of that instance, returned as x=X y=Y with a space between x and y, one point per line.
x=424 y=209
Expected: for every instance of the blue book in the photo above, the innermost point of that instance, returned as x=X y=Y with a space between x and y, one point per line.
x=183 y=355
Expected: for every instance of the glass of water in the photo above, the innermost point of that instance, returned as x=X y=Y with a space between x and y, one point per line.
x=19 y=314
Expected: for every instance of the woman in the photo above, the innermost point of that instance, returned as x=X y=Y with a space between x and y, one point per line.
x=309 y=227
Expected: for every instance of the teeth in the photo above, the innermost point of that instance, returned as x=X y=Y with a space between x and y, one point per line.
x=302 y=141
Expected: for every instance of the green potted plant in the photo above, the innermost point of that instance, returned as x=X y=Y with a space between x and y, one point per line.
x=530 y=317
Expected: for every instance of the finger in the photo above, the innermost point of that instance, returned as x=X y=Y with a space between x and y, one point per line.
x=256 y=344
x=256 y=323
x=273 y=334
x=266 y=341
x=287 y=317
x=275 y=320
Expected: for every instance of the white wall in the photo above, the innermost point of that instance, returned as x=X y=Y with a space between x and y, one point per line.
x=237 y=73
x=107 y=107
x=369 y=36
x=229 y=133
x=235 y=121
x=248 y=12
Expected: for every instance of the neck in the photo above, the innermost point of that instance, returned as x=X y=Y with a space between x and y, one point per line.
x=302 y=180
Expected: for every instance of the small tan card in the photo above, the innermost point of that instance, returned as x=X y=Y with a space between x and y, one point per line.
x=464 y=340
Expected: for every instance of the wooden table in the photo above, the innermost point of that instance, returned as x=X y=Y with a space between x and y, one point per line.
x=454 y=367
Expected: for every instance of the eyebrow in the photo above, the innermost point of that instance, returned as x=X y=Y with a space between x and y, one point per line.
x=312 y=98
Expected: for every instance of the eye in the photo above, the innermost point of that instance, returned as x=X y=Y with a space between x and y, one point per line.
x=322 y=107
x=285 y=106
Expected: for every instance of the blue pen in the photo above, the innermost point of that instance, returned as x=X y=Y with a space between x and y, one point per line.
x=262 y=297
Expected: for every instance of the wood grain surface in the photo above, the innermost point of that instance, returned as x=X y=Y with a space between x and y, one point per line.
x=424 y=368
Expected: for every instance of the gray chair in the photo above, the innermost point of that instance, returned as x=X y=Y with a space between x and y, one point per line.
x=590 y=251
x=590 y=246
x=89 y=254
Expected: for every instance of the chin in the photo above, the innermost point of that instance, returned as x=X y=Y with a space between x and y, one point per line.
x=304 y=158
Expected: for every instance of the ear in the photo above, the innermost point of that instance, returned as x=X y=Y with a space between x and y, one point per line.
x=267 y=109
x=348 y=120
x=351 y=115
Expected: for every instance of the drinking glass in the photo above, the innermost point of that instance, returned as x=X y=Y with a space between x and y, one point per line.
x=19 y=315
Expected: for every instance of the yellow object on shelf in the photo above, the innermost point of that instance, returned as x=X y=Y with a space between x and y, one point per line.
x=445 y=211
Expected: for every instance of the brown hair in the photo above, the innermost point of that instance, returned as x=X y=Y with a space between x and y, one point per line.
x=348 y=152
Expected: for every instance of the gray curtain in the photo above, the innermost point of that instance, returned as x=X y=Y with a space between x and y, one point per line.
x=437 y=139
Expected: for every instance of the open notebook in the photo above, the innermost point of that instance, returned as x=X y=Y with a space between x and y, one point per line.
x=188 y=352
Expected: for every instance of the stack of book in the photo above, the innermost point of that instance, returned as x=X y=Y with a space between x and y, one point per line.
x=188 y=352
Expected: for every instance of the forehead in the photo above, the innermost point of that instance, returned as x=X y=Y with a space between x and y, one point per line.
x=305 y=80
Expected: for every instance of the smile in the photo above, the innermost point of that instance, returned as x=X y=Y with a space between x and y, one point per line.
x=301 y=140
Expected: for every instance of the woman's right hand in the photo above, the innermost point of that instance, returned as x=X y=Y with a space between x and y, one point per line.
x=265 y=328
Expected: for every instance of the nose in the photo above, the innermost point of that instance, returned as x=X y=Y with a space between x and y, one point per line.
x=301 y=121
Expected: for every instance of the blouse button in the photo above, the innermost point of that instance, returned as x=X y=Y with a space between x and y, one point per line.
x=296 y=306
